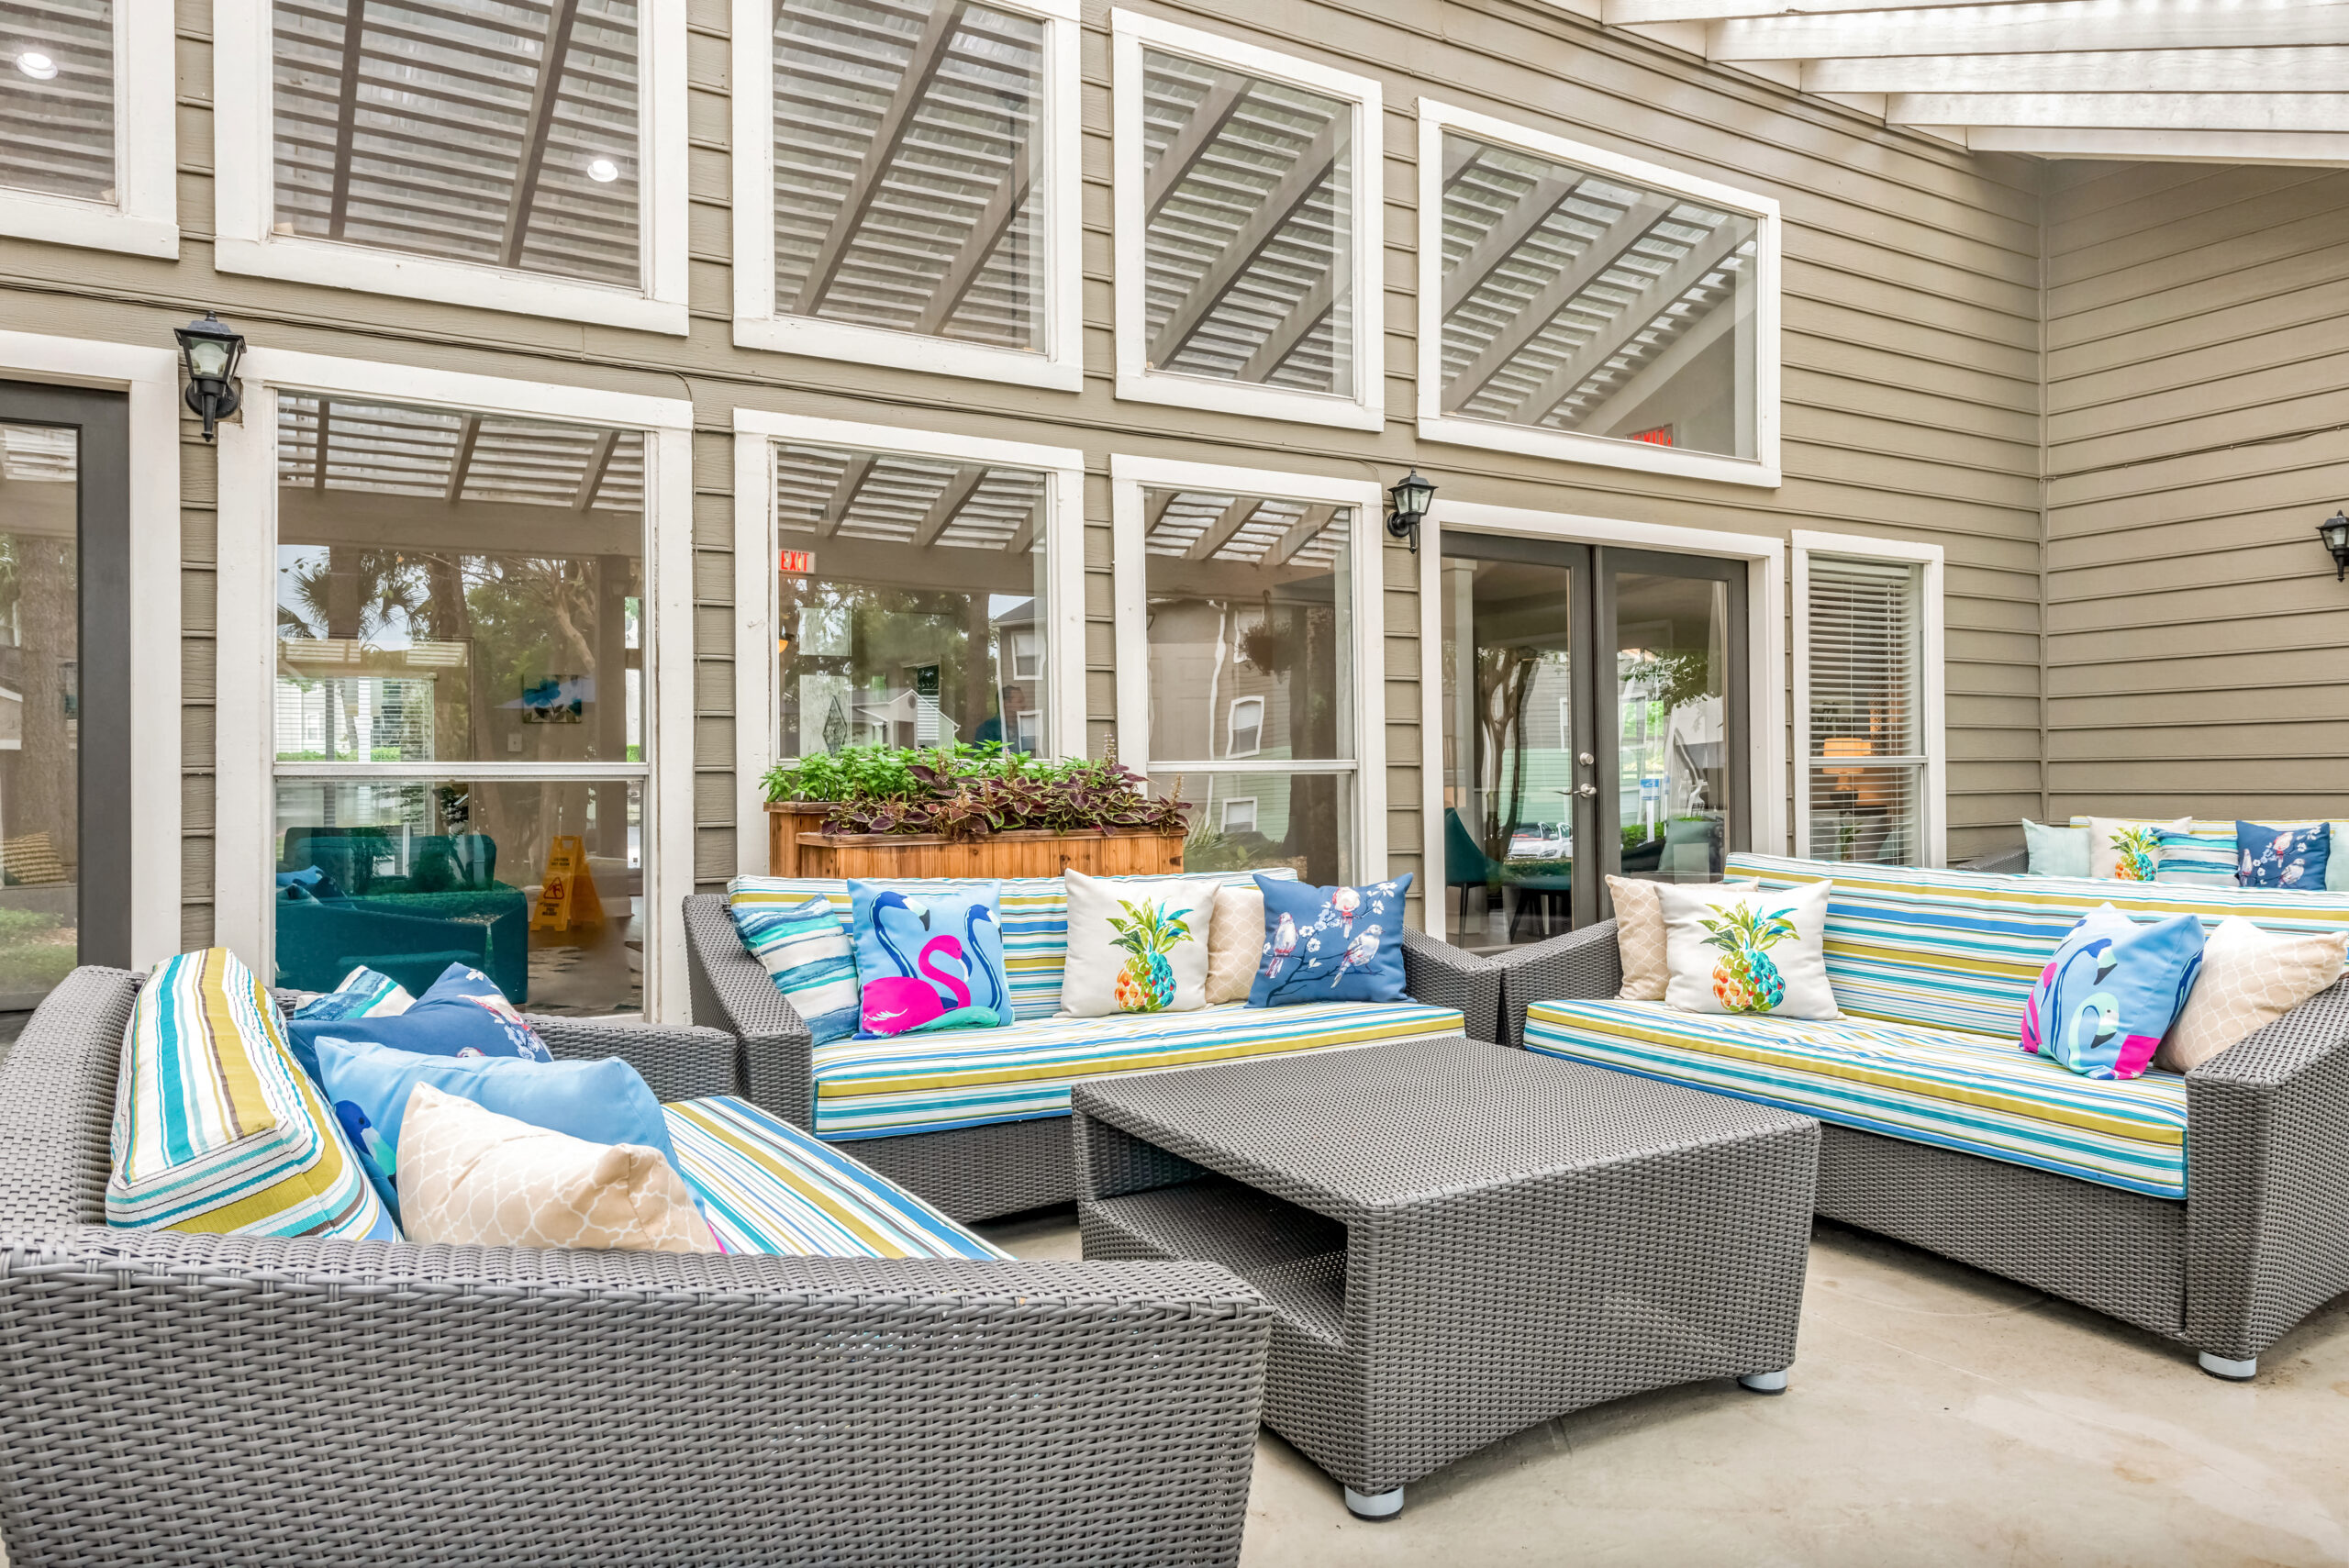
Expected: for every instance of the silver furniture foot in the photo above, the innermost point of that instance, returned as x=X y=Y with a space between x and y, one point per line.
x=2231 y=1371
x=1374 y=1505
x=1764 y=1381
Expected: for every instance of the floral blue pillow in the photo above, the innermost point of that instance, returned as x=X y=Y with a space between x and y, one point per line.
x=2113 y=988
x=928 y=960
x=465 y=1014
x=1330 y=944
x=2283 y=857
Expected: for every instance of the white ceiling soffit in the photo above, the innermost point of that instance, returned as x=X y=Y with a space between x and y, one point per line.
x=2220 y=80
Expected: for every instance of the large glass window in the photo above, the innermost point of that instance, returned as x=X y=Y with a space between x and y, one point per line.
x=486 y=131
x=56 y=97
x=39 y=711
x=459 y=704
x=1865 y=790
x=910 y=601
x=1250 y=643
x=909 y=190
x=1591 y=303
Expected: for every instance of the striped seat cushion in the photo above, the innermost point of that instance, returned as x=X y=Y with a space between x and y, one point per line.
x=1960 y=1091
x=768 y=1187
x=214 y=1127
x=872 y=1088
x=1958 y=950
x=1034 y=911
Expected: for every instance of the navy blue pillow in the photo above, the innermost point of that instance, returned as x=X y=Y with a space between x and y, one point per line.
x=465 y=1014
x=2291 y=858
x=1330 y=944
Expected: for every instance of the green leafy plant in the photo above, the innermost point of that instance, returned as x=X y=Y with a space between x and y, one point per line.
x=971 y=791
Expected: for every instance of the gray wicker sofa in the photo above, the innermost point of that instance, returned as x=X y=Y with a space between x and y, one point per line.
x=2260 y=1241
x=971 y=1173
x=170 y=1398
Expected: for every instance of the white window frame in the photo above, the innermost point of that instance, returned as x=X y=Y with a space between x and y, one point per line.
x=1129 y=593
x=245 y=803
x=1223 y=812
x=244 y=195
x=756 y=612
x=143 y=218
x=1933 y=677
x=1232 y=728
x=1365 y=408
x=150 y=379
x=757 y=325
x=1435 y=424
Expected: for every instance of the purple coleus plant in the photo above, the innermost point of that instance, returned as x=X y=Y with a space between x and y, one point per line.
x=969 y=791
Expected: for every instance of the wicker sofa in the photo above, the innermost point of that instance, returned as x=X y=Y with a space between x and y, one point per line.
x=168 y=1398
x=1000 y=1166
x=2256 y=1236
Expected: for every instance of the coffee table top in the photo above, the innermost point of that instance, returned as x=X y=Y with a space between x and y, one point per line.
x=1382 y=1126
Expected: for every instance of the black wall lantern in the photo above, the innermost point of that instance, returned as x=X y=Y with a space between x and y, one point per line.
x=2334 y=531
x=209 y=352
x=1407 y=502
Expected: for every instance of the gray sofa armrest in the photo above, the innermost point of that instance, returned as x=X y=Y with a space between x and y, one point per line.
x=731 y=991
x=678 y=1061
x=2267 y=1179
x=1579 y=966
x=2008 y=862
x=1442 y=975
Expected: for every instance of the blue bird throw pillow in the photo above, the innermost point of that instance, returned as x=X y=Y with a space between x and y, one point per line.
x=2296 y=858
x=2113 y=988
x=465 y=1014
x=1330 y=944
x=928 y=960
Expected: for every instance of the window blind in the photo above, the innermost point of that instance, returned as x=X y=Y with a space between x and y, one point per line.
x=1865 y=773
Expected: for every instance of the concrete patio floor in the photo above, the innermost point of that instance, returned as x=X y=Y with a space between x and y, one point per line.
x=1937 y=1414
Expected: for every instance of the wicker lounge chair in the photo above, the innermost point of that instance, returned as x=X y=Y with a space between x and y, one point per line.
x=169 y=1398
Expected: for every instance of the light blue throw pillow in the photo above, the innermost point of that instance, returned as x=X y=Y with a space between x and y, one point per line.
x=2056 y=851
x=1330 y=944
x=602 y=1102
x=2113 y=988
x=807 y=952
x=928 y=960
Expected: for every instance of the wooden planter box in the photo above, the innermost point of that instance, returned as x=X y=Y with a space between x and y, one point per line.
x=795 y=848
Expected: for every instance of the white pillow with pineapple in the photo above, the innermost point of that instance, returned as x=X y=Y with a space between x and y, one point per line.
x=1136 y=947
x=1758 y=953
x=2127 y=849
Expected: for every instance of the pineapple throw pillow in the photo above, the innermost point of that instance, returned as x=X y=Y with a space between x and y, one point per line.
x=2128 y=851
x=1136 y=947
x=1731 y=951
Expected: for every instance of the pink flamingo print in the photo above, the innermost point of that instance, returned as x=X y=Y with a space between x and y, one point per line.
x=896 y=1003
x=1284 y=944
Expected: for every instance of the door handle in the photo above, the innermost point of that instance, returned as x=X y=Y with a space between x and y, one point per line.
x=1588 y=791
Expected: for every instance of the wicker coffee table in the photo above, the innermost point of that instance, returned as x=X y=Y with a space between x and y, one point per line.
x=1460 y=1240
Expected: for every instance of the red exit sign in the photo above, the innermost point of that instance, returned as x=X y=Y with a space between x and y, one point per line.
x=1659 y=436
x=797 y=562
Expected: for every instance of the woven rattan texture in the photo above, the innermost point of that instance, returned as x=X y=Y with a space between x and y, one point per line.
x=2006 y=862
x=168 y=1398
x=1442 y=975
x=1522 y=1237
x=1581 y=963
x=731 y=991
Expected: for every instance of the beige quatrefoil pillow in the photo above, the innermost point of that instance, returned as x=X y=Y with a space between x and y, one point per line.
x=472 y=1177
x=2250 y=978
x=1639 y=936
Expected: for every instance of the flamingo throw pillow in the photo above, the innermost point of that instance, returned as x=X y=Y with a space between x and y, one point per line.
x=1330 y=944
x=2111 y=991
x=928 y=960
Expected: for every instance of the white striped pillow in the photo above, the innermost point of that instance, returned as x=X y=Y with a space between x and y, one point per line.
x=214 y=1127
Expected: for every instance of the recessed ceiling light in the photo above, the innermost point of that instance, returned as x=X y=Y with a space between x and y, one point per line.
x=603 y=170
x=38 y=66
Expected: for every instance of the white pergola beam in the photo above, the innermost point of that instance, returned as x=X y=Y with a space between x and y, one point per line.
x=2320 y=148
x=2053 y=26
x=2323 y=69
x=1635 y=13
x=2131 y=111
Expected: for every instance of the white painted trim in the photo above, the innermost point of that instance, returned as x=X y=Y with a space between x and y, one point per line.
x=1366 y=408
x=1434 y=424
x=1934 y=678
x=757 y=324
x=244 y=198
x=1129 y=477
x=1434 y=874
x=150 y=378
x=245 y=829
x=755 y=433
x=143 y=220
x=2318 y=148
x=1766 y=618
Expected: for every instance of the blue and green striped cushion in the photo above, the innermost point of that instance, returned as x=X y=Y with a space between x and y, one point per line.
x=1033 y=909
x=872 y=1088
x=215 y=1129
x=1939 y=1087
x=768 y=1187
x=805 y=950
x=1958 y=950
x=2200 y=858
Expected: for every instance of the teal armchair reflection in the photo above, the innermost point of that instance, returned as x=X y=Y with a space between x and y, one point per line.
x=447 y=908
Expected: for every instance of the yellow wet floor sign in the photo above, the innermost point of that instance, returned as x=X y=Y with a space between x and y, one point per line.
x=567 y=891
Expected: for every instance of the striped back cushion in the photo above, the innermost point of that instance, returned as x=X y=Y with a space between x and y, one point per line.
x=1959 y=949
x=806 y=951
x=215 y=1129
x=1034 y=911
